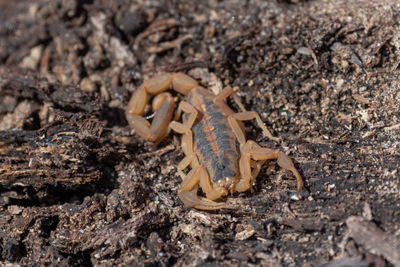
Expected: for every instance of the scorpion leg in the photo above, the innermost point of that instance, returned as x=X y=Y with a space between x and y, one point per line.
x=244 y=115
x=262 y=153
x=250 y=150
x=255 y=152
x=255 y=165
x=225 y=93
x=245 y=158
x=250 y=115
x=185 y=129
x=163 y=104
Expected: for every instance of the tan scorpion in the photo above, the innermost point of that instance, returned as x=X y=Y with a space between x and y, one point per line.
x=222 y=161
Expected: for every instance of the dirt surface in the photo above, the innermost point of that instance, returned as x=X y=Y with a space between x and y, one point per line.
x=78 y=187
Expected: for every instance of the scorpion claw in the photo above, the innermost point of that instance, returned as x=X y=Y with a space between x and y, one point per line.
x=191 y=199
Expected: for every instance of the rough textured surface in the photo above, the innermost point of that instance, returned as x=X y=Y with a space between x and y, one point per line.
x=374 y=239
x=78 y=187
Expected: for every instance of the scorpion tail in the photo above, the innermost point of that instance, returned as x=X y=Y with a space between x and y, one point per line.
x=191 y=199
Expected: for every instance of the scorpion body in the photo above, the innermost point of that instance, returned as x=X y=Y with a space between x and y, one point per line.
x=215 y=144
x=220 y=158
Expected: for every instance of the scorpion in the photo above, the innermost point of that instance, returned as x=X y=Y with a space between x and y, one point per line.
x=221 y=160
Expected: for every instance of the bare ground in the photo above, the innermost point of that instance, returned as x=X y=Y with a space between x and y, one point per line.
x=78 y=187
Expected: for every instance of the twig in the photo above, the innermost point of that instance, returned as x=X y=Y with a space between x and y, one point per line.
x=367 y=234
x=185 y=66
x=158 y=152
x=169 y=44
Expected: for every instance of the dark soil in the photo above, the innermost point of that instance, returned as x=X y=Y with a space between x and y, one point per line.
x=79 y=187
